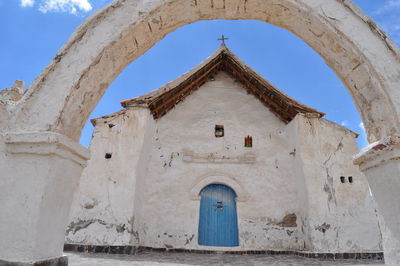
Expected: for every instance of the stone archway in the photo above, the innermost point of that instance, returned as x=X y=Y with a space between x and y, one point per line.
x=61 y=99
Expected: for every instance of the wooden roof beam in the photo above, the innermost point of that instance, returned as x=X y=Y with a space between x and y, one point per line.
x=186 y=88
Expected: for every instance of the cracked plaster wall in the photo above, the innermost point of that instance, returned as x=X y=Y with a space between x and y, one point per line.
x=189 y=130
x=338 y=216
x=103 y=208
x=291 y=204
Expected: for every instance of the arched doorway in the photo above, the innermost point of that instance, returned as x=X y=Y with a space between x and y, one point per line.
x=218 y=217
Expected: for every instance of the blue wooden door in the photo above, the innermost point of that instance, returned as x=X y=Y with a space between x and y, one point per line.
x=218 y=218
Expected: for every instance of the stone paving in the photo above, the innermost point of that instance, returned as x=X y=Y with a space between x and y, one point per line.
x=150 y=258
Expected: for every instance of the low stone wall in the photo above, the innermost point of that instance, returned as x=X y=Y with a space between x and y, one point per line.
x=133 y=250
x=61 y=261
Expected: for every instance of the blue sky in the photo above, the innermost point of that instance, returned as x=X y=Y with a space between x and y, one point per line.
x=33 y=31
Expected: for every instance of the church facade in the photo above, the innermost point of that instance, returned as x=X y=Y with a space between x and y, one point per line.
x=220 y=159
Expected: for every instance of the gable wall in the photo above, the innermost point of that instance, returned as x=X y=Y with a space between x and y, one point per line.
x=169 y=215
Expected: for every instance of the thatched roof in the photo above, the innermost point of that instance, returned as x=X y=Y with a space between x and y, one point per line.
x=165 y=98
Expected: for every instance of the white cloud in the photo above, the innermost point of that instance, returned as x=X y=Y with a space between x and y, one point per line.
x=388 y=16
x=344 y=123
x=27 y=3
x=361 y=125
x=68 y=6
x=363 y=141
x=389 y=6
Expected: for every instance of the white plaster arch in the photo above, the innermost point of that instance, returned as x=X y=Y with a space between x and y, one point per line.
x=218 y=178
x=63 y=96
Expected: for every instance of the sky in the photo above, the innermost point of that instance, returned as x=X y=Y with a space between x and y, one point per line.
x=32 y=31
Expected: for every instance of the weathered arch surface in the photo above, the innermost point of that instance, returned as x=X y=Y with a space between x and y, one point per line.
x=42 y=163
x=362 y=56
x=218 y=178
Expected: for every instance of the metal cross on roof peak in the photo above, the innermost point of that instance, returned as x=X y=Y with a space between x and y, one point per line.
x=223 y=39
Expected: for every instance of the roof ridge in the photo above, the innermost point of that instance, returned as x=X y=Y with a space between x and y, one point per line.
x=163 y=99
x=221 y=49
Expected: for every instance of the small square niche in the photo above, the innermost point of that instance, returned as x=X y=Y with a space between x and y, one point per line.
x=219 y=131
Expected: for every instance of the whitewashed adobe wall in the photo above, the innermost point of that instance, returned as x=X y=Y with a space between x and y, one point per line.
x=184 y=149
x=151 y=200
x=337 y=216
x=102 y=210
